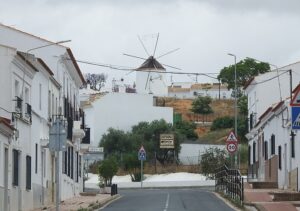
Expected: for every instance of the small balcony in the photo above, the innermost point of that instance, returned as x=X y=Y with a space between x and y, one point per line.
x=18 y=105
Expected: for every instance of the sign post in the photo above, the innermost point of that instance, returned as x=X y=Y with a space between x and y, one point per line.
x=142 y=157
x=57 y=143
x=231 y=143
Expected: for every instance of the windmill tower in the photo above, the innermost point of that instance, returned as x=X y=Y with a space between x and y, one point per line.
x=151 y=76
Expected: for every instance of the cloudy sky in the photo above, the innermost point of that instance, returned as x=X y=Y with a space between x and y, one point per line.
x=204 y=30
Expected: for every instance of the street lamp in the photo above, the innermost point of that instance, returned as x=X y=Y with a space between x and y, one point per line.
x=235 y=99
x=35 y=48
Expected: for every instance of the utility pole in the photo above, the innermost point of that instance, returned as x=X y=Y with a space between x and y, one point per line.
x=235 y=106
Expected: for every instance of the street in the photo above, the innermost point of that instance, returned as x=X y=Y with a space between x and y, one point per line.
x=167 y=200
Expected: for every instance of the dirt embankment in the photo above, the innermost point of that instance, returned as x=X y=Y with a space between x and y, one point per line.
x=220 y=108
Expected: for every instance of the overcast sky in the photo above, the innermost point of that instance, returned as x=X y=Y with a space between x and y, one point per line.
x=204 y=30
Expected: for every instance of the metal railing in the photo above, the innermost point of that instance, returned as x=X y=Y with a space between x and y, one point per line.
x=230 y=182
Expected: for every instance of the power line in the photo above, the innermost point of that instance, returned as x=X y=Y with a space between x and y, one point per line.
x=121 y=68
x=269 y=79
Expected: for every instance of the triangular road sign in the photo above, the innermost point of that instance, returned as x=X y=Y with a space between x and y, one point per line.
x=296 y=98
x=231 y=137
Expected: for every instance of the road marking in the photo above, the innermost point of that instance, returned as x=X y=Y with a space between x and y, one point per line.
x=167 y=202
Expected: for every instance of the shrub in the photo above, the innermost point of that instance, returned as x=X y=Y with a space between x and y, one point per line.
x=107 y=169
x=222 y=123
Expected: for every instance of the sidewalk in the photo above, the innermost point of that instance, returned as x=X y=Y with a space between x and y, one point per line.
x=261 y=199
x=75 y=203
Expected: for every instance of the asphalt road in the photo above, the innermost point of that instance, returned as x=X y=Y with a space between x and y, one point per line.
x=167 y=200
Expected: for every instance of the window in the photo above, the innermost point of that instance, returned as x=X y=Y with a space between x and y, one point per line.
x=28 y=172
x=80 y=165
x=40 y=96
x=251 y=121
x=72 y=162
x=49 y=103
x=17 y=88
x=292 y=144
x=249 y=155
x=272 y=144
x=266 y=150
x=77 y=166
x=36 y=158
x=279 y=157
x=15 y=181
x=254 y=152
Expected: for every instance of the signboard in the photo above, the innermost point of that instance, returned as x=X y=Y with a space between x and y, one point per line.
x=295 y=118
x=142 y=154
x=167 y=141
x=231 y=142
x=57 y=137
x=95 y=149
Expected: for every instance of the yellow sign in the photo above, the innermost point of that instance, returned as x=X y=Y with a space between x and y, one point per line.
x=167 y=141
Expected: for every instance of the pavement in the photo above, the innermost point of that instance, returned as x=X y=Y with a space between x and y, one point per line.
x=262 y=200
x=91 y=202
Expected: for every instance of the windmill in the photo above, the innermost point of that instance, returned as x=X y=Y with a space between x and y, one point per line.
x=150 y=76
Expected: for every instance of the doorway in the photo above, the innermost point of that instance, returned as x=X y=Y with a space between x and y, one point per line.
x=6 y=201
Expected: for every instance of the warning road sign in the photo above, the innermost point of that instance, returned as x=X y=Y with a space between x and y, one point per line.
x=296 y=98
x=231 y=137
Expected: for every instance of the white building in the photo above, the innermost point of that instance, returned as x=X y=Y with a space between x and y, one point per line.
x=191 y=91
x=119 y=111
x=273 y=150
x=41 y=81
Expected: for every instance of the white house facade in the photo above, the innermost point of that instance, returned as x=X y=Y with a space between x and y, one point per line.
x=41 y=81
x=191 y=91
x=119 y=111
x=273 y=146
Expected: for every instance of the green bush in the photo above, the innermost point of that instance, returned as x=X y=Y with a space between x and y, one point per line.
x=212 y=159
x=222 y=123
x=107 y=169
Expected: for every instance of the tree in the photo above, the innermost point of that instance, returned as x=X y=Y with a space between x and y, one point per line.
x=96 y=81
x=212 y=159
x=243 y=105
x=107 y=169
x=116 y=142
x=201 y=105
x=132 y=166
x=245 y=70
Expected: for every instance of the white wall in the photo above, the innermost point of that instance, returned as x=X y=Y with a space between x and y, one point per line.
x=190 y=153
x=122 y=111
x=157 y=86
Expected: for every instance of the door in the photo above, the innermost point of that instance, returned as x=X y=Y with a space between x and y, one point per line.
x=6 y=201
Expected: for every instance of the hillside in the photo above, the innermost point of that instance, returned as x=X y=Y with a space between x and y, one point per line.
x=221 y=108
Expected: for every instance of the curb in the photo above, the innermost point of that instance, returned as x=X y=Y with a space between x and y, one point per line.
x=108 y=201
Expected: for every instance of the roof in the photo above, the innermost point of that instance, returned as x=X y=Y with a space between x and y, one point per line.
x=45 y=66
x=178 y=89
x=248 y=82
x=22 y=55
x=151 y=63
x=76 y=65
x=40 y=38
x=6 y=122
